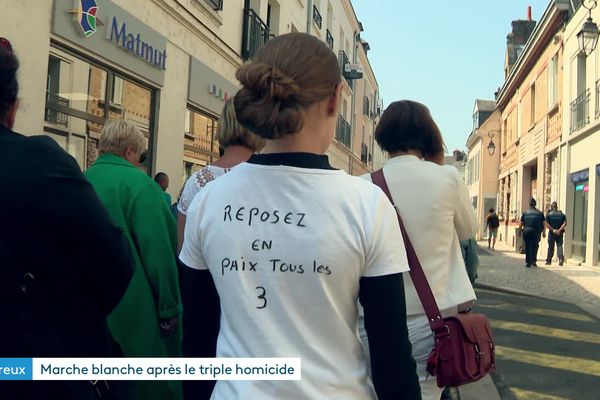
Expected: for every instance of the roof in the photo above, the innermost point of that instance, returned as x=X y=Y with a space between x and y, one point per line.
x=485 y=105
x=472 y=139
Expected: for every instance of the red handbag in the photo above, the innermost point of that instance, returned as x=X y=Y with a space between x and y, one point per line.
x=464 y=349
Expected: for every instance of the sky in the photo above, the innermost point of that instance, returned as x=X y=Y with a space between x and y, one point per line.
x=442 y=53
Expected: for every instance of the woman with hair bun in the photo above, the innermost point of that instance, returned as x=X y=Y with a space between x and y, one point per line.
x=279 y=251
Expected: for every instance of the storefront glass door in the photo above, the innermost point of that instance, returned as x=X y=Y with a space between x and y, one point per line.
x=580 y=214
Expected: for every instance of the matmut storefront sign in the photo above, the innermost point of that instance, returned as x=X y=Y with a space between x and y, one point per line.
x=104 y=28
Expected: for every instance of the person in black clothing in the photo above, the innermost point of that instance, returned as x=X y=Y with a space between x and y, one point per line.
x=532 y=222
x=63 y=264
x=556 y=222
x=492 y=224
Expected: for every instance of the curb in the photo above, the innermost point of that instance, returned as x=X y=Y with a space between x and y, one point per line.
x=485 y=388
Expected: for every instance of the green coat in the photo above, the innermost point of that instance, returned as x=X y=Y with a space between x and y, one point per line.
x=137 y=204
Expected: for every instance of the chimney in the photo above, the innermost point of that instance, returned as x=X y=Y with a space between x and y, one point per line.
x=458 y=155
x=516 y=39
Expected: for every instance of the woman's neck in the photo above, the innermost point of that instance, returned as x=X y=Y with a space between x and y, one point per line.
x=295 y=143
x=312 y=138
x=233 y=155
x=415 y=153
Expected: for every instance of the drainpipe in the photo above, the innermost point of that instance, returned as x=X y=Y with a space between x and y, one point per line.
x=309 y=16
x=245 y=38
x=353 y=87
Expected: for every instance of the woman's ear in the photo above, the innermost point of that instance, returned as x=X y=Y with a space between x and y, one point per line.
x=333 y=105
x=131 y=156
x=11 y=116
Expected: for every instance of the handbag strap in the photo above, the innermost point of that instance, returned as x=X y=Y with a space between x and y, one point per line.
x=416 y=271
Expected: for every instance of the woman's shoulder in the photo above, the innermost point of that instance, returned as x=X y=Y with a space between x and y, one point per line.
x=44 y=152
x=425 y=170
x=207 y=174
x=197 y=182
x=360 y=188
x=43 y=144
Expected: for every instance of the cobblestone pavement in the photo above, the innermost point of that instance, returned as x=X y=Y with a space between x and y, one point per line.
x=504 y=269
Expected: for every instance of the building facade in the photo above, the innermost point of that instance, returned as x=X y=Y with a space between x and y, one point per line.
x=530 y=103
x=168 y=66
x=481 y=169
x=578 y=157
x=458 y=160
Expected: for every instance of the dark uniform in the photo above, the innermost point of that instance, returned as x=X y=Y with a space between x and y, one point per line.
x=555 y=219
x=533 y=226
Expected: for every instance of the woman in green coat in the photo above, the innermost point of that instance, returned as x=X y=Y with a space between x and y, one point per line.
x=146 y=323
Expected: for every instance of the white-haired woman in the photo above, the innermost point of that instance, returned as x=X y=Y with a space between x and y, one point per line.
x=145 y=323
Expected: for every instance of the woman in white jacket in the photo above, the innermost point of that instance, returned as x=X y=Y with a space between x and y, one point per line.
x=437 y=213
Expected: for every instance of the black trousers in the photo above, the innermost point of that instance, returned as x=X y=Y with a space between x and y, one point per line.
x=531 y=237
x=558 y=240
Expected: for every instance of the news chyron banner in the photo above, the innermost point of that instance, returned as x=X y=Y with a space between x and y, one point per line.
x=148 y=369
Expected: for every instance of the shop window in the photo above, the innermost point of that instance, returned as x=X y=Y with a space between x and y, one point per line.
x=201 y=146
x=77 y=106
x=188 y=169
x=116 y=96
x=56 y=80
x=95 y=101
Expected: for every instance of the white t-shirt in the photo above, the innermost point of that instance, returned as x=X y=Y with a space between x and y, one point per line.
x=286 y=247
x=195 y=183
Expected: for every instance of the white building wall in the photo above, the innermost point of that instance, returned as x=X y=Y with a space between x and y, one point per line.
x=171 y=121
x=26 y=23
x=578 y=149
x=191 y=29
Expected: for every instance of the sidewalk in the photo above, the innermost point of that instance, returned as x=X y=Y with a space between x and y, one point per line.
x=504 y=269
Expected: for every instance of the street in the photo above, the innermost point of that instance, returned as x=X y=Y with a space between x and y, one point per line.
x=546 y=350
x=548 y=347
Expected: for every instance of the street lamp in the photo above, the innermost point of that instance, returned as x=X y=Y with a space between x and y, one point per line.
x=588 y=35
x=491 y=147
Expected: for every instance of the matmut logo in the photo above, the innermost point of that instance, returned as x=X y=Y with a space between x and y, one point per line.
x=86 y=12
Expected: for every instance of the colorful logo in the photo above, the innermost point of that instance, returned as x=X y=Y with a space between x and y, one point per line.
x=218 y=92
x=86 y=16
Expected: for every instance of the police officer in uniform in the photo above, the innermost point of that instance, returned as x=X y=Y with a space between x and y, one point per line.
x=532 y=222
x=556 y=222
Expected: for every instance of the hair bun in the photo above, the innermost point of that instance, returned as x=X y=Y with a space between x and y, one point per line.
x=265 y=80
x=269 y=102
x=290 y=73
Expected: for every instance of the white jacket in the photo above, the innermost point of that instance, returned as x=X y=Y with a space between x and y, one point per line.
x=435 y=208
